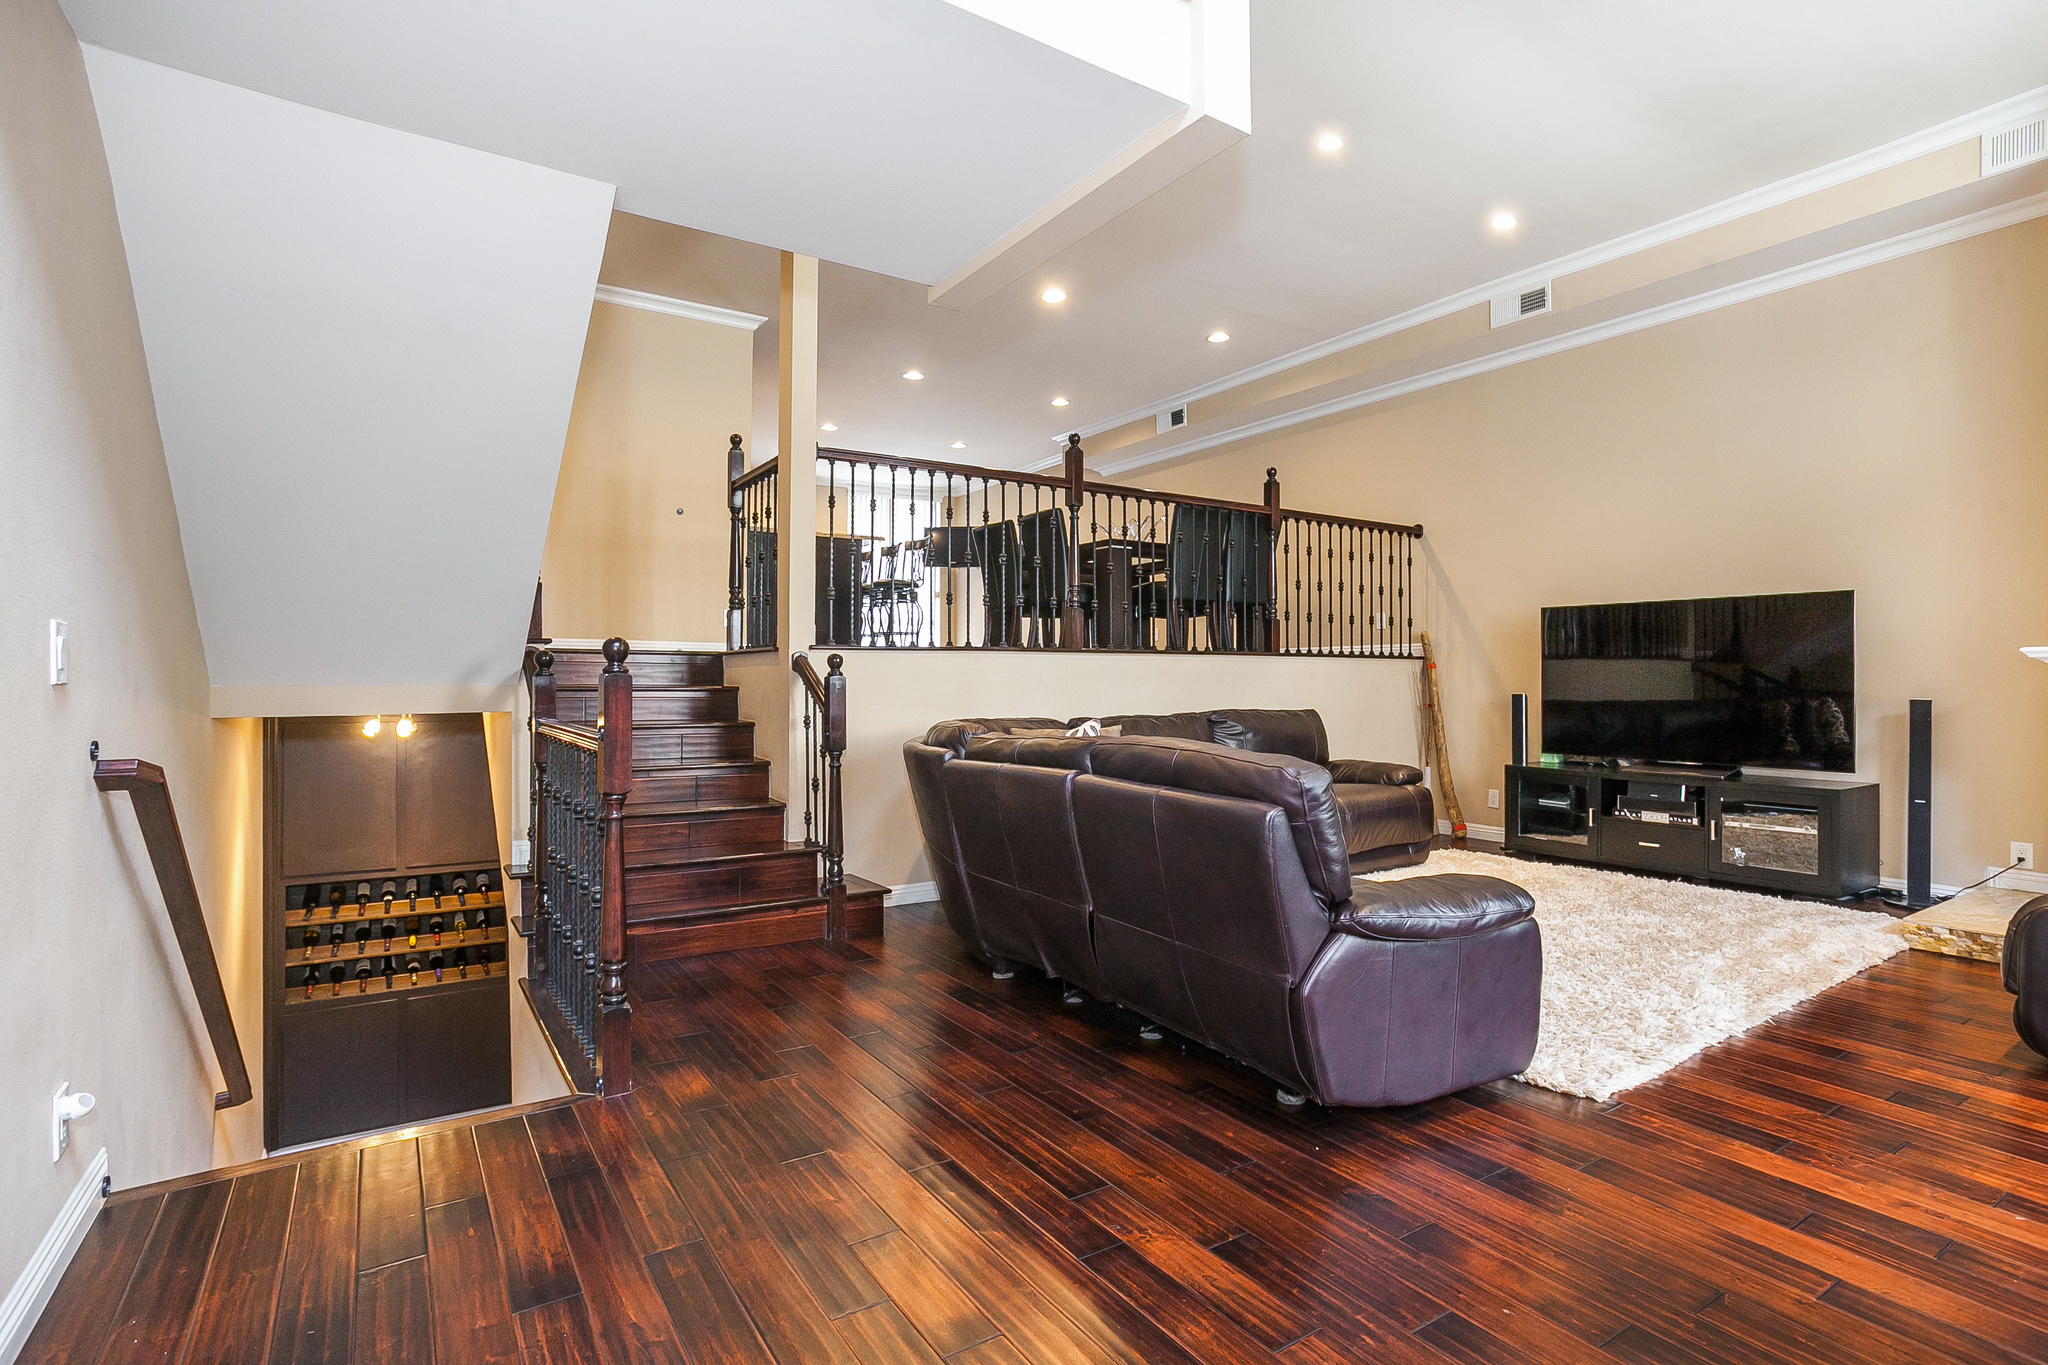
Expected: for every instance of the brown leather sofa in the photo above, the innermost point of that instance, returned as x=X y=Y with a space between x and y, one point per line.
x=1209 y=888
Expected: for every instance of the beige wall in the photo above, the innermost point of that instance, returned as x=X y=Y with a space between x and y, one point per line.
x=234 y=914
x=92 y=991
x=656 y=400
x=1369 y=706
x=1885 y=430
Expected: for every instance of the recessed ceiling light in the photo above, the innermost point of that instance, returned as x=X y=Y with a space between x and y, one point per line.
x=913 y=374
x=1054 y=295
x=959 y=445
x=1219 y=336
x=1503 y=221
x=1329 y=142
x=829 y=426
x=1059 y=402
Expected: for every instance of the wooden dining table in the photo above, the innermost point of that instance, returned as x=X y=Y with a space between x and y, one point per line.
x=1116 y=566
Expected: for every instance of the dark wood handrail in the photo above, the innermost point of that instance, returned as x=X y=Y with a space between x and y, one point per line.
x=150 y=795
x=766 y=469
x=829 y=695
x=569 y=732
x=1333 y=520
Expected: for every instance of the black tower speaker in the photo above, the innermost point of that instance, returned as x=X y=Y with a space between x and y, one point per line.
x=1518 y=729
x=1919 y=803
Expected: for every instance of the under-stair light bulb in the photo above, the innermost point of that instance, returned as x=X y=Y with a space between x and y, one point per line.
x=405 y=727
x=372 y=726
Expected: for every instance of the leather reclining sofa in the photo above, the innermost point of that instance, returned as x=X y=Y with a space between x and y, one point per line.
x=1208 y=886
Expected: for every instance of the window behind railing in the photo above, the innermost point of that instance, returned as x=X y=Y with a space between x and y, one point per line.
x=920 y=554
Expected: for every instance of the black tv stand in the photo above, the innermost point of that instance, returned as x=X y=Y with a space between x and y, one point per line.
x=1813 y=835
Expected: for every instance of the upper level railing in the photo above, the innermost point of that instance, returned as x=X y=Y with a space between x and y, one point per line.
x=750 y=607
x=824 y=702
x=921 y=554
x=150 y=794
x=576 y=959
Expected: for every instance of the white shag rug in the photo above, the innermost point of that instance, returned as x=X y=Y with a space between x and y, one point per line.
x=1639 y=973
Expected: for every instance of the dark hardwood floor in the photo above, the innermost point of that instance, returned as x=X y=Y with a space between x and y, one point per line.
x=882 y=1155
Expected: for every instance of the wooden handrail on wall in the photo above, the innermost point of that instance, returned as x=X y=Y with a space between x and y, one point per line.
x=150 y=794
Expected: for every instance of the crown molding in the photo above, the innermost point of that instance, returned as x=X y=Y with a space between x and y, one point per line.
x=1975 y=124
x=680 y=308
x=1826 y=267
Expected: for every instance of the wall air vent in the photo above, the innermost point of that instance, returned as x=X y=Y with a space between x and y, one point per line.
x=1173 y=417
x=1523 y=303
x=2010 y=147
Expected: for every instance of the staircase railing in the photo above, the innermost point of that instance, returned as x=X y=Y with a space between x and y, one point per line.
x=750 y=605
x=151 y=796
x=576 y=964
x=921 y=554
x=824 y=745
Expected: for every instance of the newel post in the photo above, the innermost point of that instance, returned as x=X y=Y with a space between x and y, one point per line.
x=1073 y=621
x=1272 y=604
x=835 y=828
x=615 y=781
x=735 y=605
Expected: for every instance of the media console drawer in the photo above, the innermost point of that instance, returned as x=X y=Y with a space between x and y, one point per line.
x=1666 y=848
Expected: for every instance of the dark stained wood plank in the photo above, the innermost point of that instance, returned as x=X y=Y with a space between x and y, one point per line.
x=389 y=1228
x=232 y=1321
x=448 y=1168
x=626 y=1314
x=471 y=1319
x=819 y=1183
x=940 y=1310
x=165 y=1286
x=538 y=1268
x=559 y=1142
x=393 y=1312
x=80 y=1313
x=556 y=1333
x=994 y=1351
x=881 y=1335
x=653 y=1211
x=316 y=1293
x=702 y=1305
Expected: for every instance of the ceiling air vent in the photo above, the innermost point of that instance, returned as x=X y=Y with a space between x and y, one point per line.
x=1524 y=303
x=2010 y=147
x=1173 y=417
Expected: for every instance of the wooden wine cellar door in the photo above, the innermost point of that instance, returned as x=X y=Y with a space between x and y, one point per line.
x=380 y=1013
x=708 y=868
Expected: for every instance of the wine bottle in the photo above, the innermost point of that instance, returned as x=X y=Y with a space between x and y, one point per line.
x=312 y=900
x=412 y=966
x=483 y=885
x=309 y=980
x=390 y=895
x=434 y=885
x=461 y=889
x=362 y=897
x=389 y=972
x=334 y=900
x=434 y=928
x=437 y=963
x=362 y=975
x=362 y=936
x=412 y=894
x=337 y=973
x=461 y=925
x=412 y=933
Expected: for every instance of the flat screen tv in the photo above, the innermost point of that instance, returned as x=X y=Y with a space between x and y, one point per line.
x=1766 y=682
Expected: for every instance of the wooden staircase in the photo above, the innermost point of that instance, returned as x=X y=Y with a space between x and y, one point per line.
x=708 y=868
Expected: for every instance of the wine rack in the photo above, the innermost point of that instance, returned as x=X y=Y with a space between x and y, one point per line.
x=386 y=941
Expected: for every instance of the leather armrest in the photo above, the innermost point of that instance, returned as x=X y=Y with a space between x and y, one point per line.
x=1453 y=905
x=1367 y=770
x=2026 y=939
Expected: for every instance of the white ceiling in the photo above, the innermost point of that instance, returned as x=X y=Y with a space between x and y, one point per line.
x=363 y=346
x=902 y=136
x=1591 y=119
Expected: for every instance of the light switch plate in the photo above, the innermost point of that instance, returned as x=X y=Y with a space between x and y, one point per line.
x=60 y=662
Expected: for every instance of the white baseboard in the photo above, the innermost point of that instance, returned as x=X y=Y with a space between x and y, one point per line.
x=38 y=1279
x=2037 y=882
x=647 y=646
x=1899 y=884
x=1485 y=834
x=912 y=893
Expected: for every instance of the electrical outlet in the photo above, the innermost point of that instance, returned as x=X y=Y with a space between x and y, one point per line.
x=2023 y=854
x=1492 y=799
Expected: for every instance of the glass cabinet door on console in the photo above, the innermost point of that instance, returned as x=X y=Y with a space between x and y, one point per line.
x=1768 y=837
x=1551 y=813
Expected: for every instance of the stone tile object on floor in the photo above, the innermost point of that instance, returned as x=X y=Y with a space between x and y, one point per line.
x=1970 y=925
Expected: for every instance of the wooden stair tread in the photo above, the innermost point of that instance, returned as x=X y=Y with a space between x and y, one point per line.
x=716 y=808
x=783 y=849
